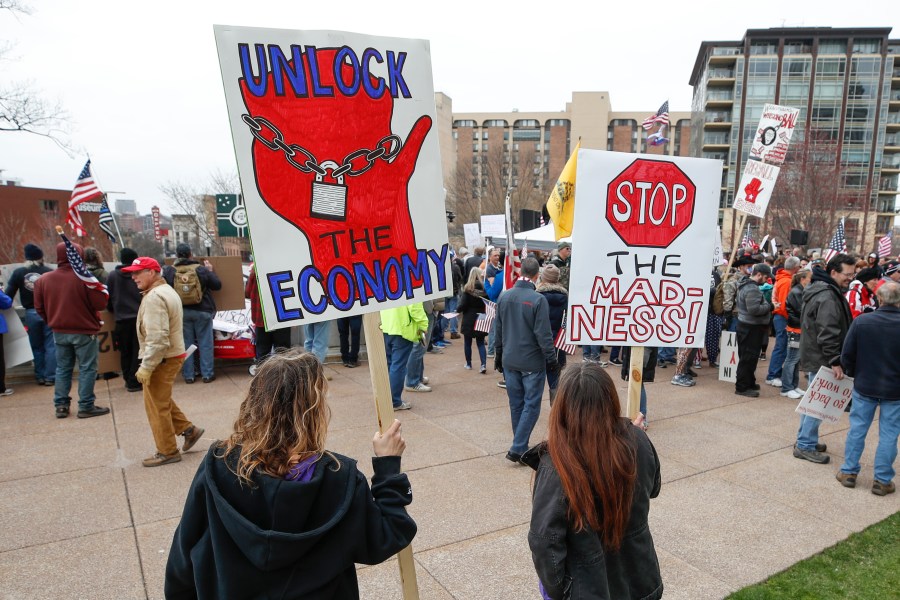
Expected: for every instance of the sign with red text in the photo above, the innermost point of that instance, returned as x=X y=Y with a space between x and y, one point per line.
x=755 y=190
x=641 y=223
x=773 y=134
x=826 y=397
x=728 y=357
x=337 y=151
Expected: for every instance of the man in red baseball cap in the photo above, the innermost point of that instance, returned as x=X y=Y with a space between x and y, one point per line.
x=162 y=352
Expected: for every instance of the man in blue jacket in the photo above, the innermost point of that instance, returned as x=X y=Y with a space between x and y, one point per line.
x=870 y=356
x=523 y=326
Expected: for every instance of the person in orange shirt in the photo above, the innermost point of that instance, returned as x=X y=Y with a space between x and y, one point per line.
x=779 y=298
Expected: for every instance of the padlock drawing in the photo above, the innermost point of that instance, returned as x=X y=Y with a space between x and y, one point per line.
x=329 y=200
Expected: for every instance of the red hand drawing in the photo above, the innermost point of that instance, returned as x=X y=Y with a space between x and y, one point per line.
x=376 y=223
x=752 y=190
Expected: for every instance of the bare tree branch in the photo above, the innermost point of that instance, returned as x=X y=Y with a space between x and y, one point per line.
x=192 y=201
x=13 y=239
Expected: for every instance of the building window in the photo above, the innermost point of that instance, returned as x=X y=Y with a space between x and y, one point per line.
x=49 y=206
x=465 y=123
x=832 y=46
x=866 y=46
x=763 y=48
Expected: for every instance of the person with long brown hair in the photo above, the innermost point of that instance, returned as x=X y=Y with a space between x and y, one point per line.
x=272 y=513
x=596 y=473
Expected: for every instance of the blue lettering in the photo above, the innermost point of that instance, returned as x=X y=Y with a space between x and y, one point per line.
x=439 y=262
x=343 y=54
x=419 y=269
x=310 y=272
x=377 y=89
x=395 y=73
x=336 y=272
x=279 y=294
x=366 y=281
x=392 y=262
x=318 y=88
x=281 y=67
x=255 y=85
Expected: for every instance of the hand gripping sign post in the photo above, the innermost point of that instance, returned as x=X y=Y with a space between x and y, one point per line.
x=643 y=224
x=338 y=157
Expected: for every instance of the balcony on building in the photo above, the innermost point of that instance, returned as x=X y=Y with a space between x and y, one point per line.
x=715 y=141
x=717 y=119
x=724 y=55
x=719 y=98
x=891 y=163
x=893 y=123
x=888 y=185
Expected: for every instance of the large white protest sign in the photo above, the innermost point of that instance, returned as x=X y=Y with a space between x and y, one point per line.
x=473 y=236
x=728 y=357
x=337 y=151
x=16 y=347
x=755 y=190
x=642 y=225
x=493 y=226
x=718 y=252
x=773 y=134
x=826 y=397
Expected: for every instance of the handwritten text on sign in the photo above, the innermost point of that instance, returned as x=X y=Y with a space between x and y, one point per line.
x=640 y=223
x=826 y=397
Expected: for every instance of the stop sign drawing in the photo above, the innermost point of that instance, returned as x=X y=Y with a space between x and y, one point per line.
x=650 y=203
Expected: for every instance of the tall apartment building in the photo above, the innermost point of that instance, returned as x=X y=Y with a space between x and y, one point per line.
x=484 y=152
x=846 y=83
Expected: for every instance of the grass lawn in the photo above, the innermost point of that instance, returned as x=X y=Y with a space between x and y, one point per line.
x=865 y=565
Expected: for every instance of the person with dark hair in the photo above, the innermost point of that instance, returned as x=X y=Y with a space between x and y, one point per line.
x=523 y=326
x=753 y=312
x=40 y=335
x=199 y=308
x=272 y=513
x=861 y=295
x=124 y=302
x=825 y=321
x=94 y=262
x=596 y=473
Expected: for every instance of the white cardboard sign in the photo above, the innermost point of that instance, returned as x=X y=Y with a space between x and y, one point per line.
x=773 y=135
x=337 y=149
x=755 y=190
x=641 y=221
x=826 y=397
x=493 y=226
x=473 y=236
x=16 y=347
x=728 y=357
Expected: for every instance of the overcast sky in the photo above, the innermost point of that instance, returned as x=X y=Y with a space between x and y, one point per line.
x=142 y=87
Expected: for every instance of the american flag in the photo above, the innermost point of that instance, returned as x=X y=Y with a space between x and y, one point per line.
x=86 y=189
x=106 y=220
x=560 y=343
x=81 y=271
x=486 y=319
x=512 y=265
x=838 y=243
x=748 y=238
x=661 y=117
x=885 y=245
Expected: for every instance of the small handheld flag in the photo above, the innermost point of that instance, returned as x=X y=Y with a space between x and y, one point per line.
x=78 y=266
x=838 y=242
x=486 y=319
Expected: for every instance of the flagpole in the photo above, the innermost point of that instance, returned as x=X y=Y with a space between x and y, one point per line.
x=119 y=240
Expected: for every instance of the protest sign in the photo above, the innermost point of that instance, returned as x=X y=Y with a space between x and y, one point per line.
x=826 y=397
x=473 y=236
x=755 y=190
x=16 y=347
x=643 y=225
x=728 y=357
x=718 y=253
x=337 y=152
x=773 y=134
x=493 y=226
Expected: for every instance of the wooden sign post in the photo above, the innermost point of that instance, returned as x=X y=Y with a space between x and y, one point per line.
x=635 y=381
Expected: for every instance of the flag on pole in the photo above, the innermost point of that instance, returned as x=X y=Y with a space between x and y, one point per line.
x=748 y=238
x=885 y=245
x=661 y=117
x=560 y=343
x=484 y=320
x=78 y=266
x=106 y=220
x=838 y=242
x=512 y=265
x=86 y=189
x=561 y=204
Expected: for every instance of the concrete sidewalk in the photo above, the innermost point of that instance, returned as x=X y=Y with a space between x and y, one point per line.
x=82 y=518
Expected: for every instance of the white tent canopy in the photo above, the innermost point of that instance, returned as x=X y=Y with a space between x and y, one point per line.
x=542 y=238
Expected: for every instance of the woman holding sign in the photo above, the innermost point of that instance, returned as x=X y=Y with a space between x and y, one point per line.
x=596 y=473
x=471 y=304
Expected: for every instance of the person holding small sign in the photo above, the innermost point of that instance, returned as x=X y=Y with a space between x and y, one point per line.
x=870 y=355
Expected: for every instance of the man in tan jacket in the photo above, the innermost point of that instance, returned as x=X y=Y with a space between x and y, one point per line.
x=162 y=352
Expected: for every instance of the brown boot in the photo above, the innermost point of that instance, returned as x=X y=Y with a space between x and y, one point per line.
x=191 y=436
x=158 y=460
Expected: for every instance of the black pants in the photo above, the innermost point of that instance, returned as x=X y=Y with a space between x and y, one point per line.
x=348 y=332
x=750 y=340
x=2 y=367
x=126 y=340
x=266 y=340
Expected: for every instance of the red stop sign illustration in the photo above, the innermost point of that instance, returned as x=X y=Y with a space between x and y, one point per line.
x=650 y=203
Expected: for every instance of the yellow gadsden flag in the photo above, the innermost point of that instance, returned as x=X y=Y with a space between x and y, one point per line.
x=561 y=204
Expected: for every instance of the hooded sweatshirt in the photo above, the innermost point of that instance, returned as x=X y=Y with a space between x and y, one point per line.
x=825 y=321
x=64 y=302
x=781 y=291
x=287 y=539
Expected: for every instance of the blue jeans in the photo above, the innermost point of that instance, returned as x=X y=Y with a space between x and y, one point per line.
x=492 y=337
x=643 y=407
x=450 y=306
x=467 y=349
x=69 y=348
x=415 y=366
x=397 y=348
x=524 y=390
x=40 y=337
x=780 y=350
x=197 y=328
x=861 y=414
x=808 y=434
x=667 y=354
x=315 y=339
x=614 y=352
x=553 y=378
x=591 y=351
x=790 y=374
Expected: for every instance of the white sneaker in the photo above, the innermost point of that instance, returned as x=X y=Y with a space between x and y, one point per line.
x=7 y=392
x=403 y=406
x=774 y=382
x=425 y=380
x=799 y=391
x=419 y=387
x=792 y=394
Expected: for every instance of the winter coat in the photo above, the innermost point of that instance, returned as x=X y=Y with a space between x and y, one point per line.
x=794 y=305
x=5 y=302
x=64 y=302
x=825 y=321
x=22 y=282
x=729 y=294
x=287 y=539
x=574 y=564
x=860 y=299
x=470 y=305
x=124 y=295
x=209 y=282
x=870 y=353
x=781 y=291
x=406 y=321
x=99 y=272
x=493 y=290
x=522 y=327
x=752 y=307
x=159 y=325
x=557 y=303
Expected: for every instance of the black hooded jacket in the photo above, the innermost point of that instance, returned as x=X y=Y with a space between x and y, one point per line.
x=825 y=321
x=287 y=539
